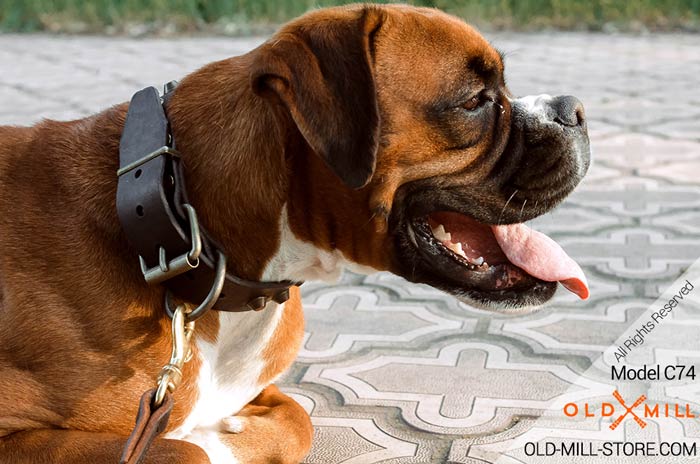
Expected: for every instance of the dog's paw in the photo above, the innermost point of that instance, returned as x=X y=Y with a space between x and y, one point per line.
x=233 y=424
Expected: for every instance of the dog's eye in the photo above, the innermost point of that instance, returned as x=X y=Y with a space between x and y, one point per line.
x=473 y=103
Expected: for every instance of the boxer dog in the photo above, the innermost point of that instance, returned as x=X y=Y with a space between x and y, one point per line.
x=369 y=137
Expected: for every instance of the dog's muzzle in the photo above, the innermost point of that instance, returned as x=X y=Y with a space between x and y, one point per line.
x=554 y=136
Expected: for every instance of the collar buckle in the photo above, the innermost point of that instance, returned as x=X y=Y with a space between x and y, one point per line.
x=153 y=210
x=185 y=262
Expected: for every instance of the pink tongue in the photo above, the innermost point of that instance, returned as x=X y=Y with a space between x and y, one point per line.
x=541 y=257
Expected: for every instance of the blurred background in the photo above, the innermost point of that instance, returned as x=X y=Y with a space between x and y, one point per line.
x=246 y=16
x=393 y=372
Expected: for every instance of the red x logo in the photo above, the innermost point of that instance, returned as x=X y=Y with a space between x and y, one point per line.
x=628 y=410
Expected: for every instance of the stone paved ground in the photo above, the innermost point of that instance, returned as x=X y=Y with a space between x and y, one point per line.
x=393 y=372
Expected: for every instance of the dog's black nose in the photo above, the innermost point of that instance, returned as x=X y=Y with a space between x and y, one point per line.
x=568 y=111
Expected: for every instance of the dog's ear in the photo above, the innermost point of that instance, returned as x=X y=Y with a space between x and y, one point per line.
x=323 y=73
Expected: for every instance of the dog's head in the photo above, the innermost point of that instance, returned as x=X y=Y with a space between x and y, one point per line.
x=413 y=156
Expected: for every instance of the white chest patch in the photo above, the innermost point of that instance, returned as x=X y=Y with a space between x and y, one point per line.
x=228 y=377
x=231 y=367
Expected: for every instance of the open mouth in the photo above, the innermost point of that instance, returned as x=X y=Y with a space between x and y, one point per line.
x=496 y=261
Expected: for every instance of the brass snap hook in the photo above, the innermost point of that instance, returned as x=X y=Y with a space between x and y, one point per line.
x=170 y=375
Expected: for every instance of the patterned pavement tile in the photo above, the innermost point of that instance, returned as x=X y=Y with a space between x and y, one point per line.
x=368 y=318
x=394 y=372
x=465 y=387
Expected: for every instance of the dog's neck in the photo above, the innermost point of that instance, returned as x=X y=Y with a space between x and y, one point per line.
x=249 y=173
x=233 y=158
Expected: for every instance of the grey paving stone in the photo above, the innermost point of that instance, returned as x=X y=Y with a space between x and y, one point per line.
x=416 y=376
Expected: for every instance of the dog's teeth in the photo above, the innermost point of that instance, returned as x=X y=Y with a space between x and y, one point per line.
x=457 y=248
x=448 y=236
x=478 y=261
x=440 y=233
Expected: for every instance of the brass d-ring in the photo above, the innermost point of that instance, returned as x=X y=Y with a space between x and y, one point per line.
x=211 y=298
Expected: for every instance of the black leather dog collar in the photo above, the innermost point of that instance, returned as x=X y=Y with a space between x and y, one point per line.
x=163 y=228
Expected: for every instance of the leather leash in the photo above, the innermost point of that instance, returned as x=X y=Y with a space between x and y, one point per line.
x=150 y=422
x=174 y=250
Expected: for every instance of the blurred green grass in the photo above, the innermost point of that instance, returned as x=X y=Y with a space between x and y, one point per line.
x=249 y=16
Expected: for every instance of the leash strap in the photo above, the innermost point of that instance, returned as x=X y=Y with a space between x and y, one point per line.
x=157 y=403
x=150 y=422
x=151 y=201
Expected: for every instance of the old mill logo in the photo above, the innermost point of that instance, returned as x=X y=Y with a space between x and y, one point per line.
x=638 y=410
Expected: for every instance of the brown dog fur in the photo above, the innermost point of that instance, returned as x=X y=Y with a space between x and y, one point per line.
x=82 y=335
